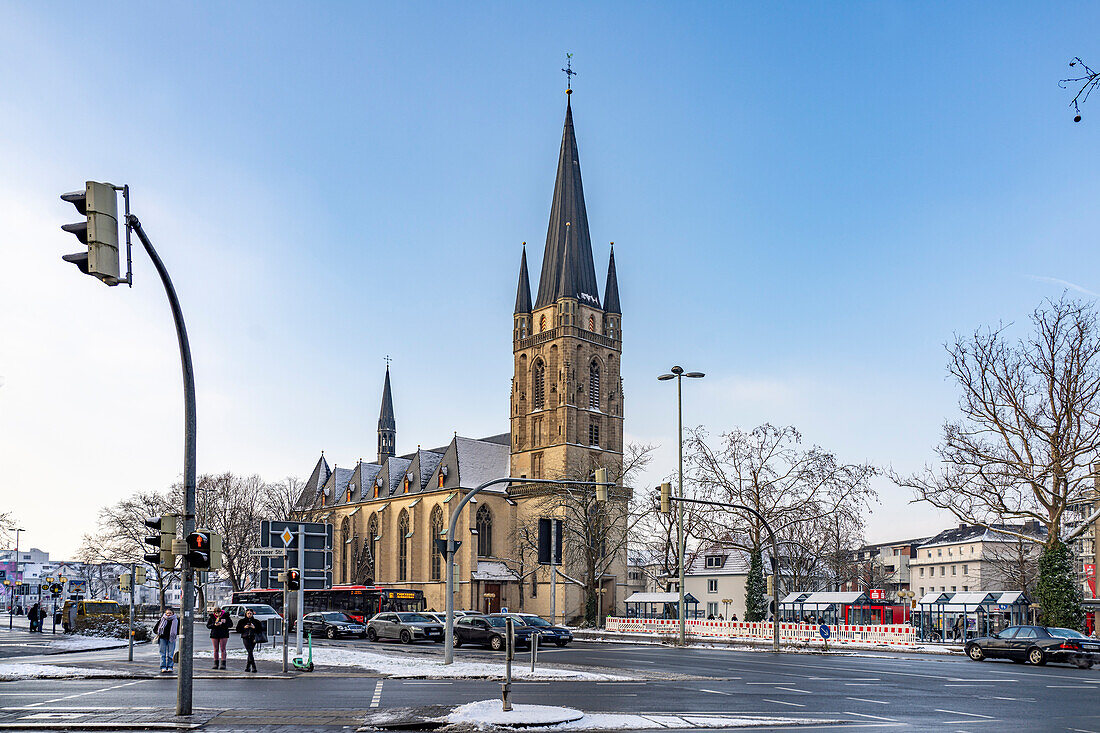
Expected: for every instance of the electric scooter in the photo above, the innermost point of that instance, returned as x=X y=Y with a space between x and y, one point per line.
x=305 y=666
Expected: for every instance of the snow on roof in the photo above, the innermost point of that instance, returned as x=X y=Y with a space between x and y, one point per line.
x=654 y=598
x=493 y=570
x=480 y=461
x=734 y=562
x=974 y=598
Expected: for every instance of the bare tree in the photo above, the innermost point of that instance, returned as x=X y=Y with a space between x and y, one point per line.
x=121 y=533
x=654 y=535
x=594 y=535
x=280 y=498
x=1011 y=564
x=7 y=524
x=1029 y=431
x=768 y=470
x=1085 y=83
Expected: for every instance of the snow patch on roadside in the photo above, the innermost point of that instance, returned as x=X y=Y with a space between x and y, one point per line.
x=79 y=642
x=404 y=665
x=487 y=714
x=22 y=671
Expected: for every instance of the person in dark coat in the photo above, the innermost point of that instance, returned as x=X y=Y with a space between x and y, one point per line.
x=36 y=614
x=250 y=629
x=219 y=624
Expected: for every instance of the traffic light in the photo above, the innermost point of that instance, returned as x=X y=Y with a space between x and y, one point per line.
x=166 y=526
x=124 y=581
x=666 y=498
x=198 y=549
x=55 y=589
x=293 y=580
x=139 y=575
x=215 y=551
x=99 y=231
x=601 y=484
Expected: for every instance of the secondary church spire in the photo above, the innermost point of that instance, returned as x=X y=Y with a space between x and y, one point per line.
x=567 y=267
x=387 y=426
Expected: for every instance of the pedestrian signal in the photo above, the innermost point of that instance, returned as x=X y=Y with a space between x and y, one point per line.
x=198 y=549
x=293 y=580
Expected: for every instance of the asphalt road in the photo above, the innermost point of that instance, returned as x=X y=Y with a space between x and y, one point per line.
x=918 y=692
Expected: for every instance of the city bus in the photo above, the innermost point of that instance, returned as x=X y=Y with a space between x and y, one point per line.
x=360 y=602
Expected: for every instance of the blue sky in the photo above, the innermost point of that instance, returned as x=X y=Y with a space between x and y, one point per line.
x=807 y=200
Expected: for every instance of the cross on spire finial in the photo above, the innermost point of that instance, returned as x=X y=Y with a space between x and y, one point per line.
x=569 y=73
x=387 y=359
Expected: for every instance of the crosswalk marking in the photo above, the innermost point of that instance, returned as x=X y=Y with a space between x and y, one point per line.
x=377 y=699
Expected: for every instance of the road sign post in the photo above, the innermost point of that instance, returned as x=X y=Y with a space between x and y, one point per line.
x=302 y=590
x=133 y=582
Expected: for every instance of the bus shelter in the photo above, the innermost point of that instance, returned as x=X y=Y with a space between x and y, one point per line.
x=823 y=607
x=660 y=605
x=961 y=616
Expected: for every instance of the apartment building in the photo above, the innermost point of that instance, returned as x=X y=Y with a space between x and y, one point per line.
x=972 y=558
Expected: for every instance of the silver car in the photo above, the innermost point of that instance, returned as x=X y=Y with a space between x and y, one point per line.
x=406 y=627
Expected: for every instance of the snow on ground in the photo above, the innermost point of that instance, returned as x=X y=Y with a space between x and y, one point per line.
x=79 y=642
x=408 y=665
x=21 y=671
x=488 y=714
x=744 y=645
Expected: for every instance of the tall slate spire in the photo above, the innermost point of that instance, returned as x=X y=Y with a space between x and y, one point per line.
x=523 y=291
x=387 y=426
x=611 y=289
x=567 y=267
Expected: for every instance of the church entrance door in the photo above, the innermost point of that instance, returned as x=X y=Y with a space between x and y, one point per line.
x=492 y=598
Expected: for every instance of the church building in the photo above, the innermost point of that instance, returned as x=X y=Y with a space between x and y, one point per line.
x=566 y=419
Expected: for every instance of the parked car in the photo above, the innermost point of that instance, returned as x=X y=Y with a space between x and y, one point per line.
x=407 y=627
x=260 y=611
x=548 y=632
x=1037 y=645
x=488 y=631
x=333 y=624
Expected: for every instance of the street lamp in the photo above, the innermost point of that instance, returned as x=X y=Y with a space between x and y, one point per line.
x=678 y=374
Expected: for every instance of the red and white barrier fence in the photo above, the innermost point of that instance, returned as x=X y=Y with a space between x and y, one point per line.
x=898 y=634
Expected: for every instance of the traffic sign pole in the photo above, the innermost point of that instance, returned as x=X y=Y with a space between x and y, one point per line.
x=133 y=582
x=302 y=585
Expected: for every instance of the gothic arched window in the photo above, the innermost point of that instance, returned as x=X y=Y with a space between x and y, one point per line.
x=435 y=534
x=538 y=387
x=345 y=542
x=594 y=385
x=372 y=547
x=484 y=532
x=403 y=545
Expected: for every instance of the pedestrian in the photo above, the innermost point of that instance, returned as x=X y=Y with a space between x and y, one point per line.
x=166 y=630
x=37 y=613
x=733 y=617
x=219 y=625
x=956 y=628
x=250 y=630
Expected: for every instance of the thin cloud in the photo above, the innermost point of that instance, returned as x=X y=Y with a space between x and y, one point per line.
x=1064 y=284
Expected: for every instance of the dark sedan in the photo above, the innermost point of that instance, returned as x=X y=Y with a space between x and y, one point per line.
x=488 y=631
x=548 y=632
x=1037 y=645
x=333 y=624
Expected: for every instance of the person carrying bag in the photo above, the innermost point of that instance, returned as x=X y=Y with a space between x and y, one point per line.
x=219 y=624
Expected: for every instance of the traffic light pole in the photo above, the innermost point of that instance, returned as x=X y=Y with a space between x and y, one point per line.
x=133 y=582
x=187 y=601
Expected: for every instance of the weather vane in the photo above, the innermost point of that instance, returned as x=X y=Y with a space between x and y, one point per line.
x=569 y=73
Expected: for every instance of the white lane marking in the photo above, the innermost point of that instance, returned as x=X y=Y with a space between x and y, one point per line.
x=1069 y=687
x=781 y=702
x=960 y=712
x=1013 y=699
x=792 y=689
x=864 y=699
x=89 y=692
x=714 y=692
x=970 y=722
x=872 y=717
x=377 y=699
x=860 y=684
x=427 y=683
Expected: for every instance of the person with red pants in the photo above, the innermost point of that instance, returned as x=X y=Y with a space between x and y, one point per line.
x=219 y=624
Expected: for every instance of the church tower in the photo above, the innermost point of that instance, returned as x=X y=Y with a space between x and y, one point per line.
x=567 y=409
x=387 y=426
